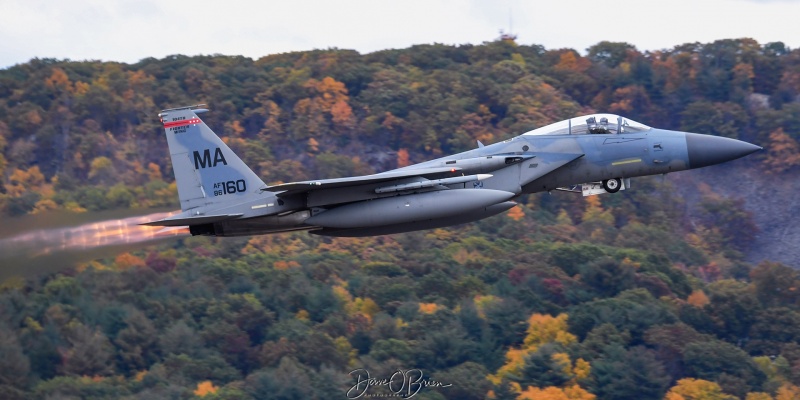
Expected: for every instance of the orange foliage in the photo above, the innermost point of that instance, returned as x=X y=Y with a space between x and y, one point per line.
x=516 y=213
x=570 y=61
x=283 y=265
x=402 y=158
x=698 y=298
x=342 y=114
x=58 y=80
x=313 y=145
x=553 y=393
x=33 y=117
x=788 y=392
x=237 y=128
x=128 y=260
x=204 y=388
x=783 y=152
x=428 y=308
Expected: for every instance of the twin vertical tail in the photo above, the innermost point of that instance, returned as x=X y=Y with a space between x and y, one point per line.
x=207 y=172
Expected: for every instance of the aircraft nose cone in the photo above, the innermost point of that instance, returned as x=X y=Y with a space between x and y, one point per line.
x=705 y=150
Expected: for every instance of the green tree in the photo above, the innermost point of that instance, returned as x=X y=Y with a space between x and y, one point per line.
x=632 y=373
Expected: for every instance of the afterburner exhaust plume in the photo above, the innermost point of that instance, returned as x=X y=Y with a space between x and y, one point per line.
x=50 y=249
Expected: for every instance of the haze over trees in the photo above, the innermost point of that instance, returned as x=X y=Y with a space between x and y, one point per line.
x=607 y=297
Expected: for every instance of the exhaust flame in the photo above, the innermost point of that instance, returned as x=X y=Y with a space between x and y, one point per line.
x=83 y=241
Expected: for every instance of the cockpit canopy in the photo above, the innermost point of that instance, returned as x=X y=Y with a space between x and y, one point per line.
x=591 y=124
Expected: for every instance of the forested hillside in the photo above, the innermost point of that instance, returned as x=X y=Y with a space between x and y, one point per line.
x=607 y=297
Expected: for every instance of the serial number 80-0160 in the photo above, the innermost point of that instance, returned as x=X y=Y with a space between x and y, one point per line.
x=223 y=188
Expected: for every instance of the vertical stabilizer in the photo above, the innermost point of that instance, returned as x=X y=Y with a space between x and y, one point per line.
x=207 y=172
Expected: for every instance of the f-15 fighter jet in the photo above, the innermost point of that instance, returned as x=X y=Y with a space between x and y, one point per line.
x=592 y=154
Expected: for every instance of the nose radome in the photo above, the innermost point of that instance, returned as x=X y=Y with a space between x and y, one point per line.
x=705 y=150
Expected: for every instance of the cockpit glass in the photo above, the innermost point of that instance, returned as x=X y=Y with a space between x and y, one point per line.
x=591 y=124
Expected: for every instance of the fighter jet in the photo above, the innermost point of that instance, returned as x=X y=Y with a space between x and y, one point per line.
x=592 y=154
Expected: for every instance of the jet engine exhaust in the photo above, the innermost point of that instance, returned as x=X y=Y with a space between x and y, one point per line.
x=49 y=249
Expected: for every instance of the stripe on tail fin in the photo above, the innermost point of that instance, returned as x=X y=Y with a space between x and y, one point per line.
x=207 y=172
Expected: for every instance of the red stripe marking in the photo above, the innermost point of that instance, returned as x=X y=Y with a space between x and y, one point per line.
x=173 y=124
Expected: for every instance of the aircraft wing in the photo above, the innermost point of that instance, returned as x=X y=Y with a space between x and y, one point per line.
x=546 y=163
x=309 y=186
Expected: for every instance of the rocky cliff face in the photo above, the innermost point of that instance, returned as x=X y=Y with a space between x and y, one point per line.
x=774 y=201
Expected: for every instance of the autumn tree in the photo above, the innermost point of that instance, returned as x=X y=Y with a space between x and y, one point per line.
x=697 y=389
x=783 y=152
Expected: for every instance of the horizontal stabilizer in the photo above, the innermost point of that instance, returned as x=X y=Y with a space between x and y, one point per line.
x=200 y=219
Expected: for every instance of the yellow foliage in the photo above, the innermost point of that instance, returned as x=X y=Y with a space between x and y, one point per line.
x=553 y=393
x=153 y=172
x=758 y=396
x=595 y=213
x=582 y=369
x=788 y=392
x=100 y=167
x=44 y=205
x=72 y=206
x=698 y=298
x=33 y=324
x=22 y=181
x=342 y=294
x=81 y=88
x=562 y=359
x=516 y=213
x=368 y=306
x=697 y=389
x=302 y=315
x=462 y=256
x=428 y=308
x=204 y=388
x=482 y=301
x=140 y=376
x=91 y=264
x=544 y=328
x=344 y=348
x=515 y=360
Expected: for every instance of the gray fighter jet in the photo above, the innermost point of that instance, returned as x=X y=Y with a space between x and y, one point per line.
x=592 y=154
